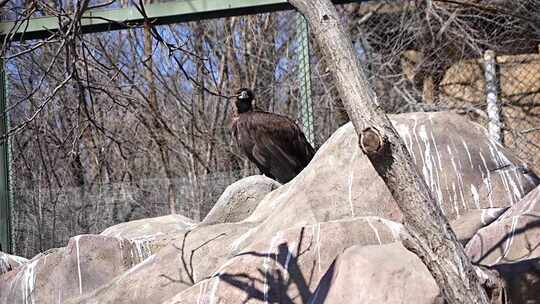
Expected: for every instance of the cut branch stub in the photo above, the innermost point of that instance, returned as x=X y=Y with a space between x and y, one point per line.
x=375 y=144
x=371 y=141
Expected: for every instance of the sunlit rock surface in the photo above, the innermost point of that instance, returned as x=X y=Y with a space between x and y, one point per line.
x=87 y=262
x=289 y=265
x=276 y=247
x=190 y=257
x=240 y=199
x=150 y=227
x=515 y=236
x=377 y=274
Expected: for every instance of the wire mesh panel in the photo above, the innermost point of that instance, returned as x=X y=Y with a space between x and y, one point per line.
x=304 y=74
x=518 y=83
x=428 y=56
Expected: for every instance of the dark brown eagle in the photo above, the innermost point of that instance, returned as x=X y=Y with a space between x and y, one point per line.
x=272 y=141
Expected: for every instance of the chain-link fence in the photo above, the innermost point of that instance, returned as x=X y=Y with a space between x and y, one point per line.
x=141 y=130
x=47 y=218
x=428 y=56
x=518 y=95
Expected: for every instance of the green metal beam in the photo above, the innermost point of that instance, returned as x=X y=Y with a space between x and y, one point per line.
x=305 y=79
x=161 y=13
x=5 y=193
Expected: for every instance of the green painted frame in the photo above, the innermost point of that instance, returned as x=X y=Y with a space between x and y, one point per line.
x=5 y=189
x=161 y=13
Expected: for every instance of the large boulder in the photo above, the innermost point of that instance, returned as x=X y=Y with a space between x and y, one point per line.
x=287 y=267
x=464 y=169
x=150 y=227
x=515 y=236
x=377 y=274
x=189 y=257
x=240 y=199
x=86 y=263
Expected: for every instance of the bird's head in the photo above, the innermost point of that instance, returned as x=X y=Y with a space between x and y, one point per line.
x=244 y=100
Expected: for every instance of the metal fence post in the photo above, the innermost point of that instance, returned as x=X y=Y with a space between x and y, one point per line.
x=305 y=79
x=5 y=206
x=493 y=106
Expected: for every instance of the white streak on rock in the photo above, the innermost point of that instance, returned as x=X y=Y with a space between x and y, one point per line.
x=241 y=239
x=517 y=189
x=488 y=215
x=19 y=260
x=394 y=227
x=436 y=151
x=417 y=141
x=509 y=240
x=501 y=173
x=440 y=197
x=405 y=133
x=219 y=271
x=141 y=248
x=28 y=284
x=212 y=296
x=289 y=255
x=319 y=246
x=77 y=239
x=460 y=178
x=454 y=199
x=215 y=279
x=483 y=217
x=202 y=289
x=427 y=168
x=487 y=180
x=468 y=152
x=136 y=267
x=7 y=261
x=374 y=230
x=476 y=196
x=351 y=178
x=459 y=181
x=518 y=179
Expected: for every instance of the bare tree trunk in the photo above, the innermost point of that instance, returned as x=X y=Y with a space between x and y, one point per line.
x=430 y=235
x=159 y=137
x=199 y=114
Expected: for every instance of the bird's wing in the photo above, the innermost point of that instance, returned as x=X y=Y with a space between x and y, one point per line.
x=279 y=136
